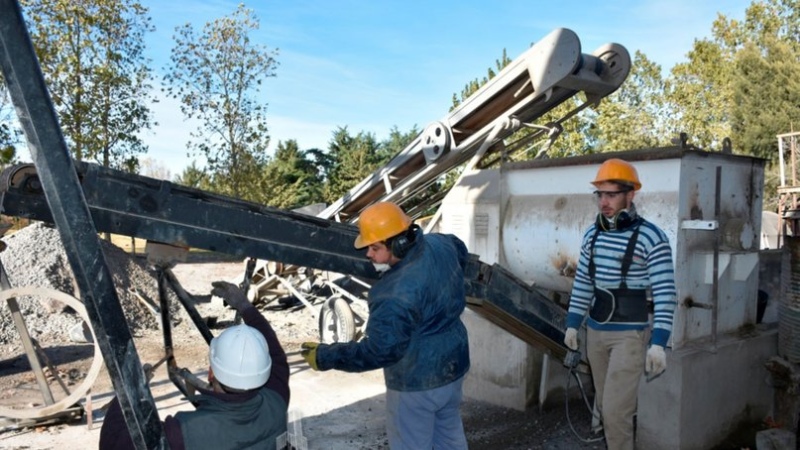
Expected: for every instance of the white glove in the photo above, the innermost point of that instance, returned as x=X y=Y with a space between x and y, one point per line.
x=656 y=361
x=571 y=338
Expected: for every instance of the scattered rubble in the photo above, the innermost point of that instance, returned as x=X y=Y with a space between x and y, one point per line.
x=35 y=256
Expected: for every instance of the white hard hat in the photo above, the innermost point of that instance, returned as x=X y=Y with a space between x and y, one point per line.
x=240 y=358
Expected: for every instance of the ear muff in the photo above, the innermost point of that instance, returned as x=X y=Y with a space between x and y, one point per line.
x=403 y=242
x=621 y=221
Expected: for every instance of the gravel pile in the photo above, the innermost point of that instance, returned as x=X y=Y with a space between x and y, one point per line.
x=35 y=256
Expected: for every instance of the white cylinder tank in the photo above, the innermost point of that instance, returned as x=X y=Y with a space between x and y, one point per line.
x=530 y=217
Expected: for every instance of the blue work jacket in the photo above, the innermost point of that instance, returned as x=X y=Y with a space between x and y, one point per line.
x=414 y=331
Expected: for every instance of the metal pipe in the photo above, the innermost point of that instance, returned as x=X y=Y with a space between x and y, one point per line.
x=188 y=304
x=166 y=329
x=717 y=244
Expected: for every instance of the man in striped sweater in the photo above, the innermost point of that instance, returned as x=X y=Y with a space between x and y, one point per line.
x=625 y=273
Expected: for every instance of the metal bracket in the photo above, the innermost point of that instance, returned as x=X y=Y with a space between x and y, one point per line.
x=708 y=225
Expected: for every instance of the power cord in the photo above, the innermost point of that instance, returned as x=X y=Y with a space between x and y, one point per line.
x=571 y=361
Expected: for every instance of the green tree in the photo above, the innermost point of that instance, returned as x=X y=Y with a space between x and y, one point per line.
x=742 y=83
x=291 y=180
x=765 y=85
x=633 y=116
x=352 y=159
x=763 y=111
x=92 y=57
x=766 y=88
x=322 y=161
x=194 y=177
x=216 y=75
x=396 y=143
x=702 y=92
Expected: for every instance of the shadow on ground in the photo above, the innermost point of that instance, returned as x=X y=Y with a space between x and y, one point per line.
x=361 y=426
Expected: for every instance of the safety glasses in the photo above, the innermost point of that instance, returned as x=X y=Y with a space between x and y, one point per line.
x=611 y=195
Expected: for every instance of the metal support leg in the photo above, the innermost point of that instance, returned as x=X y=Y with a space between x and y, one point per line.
x=30 y=351
x=186 y=300
x=25 y=337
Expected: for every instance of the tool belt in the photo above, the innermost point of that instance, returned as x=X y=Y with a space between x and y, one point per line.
x=621 y=305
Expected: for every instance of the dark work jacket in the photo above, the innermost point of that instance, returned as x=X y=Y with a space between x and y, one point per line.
x=218 y=424
x=414 y=330
x=264 y=409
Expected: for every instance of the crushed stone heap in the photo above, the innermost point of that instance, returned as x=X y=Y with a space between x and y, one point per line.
x=35 y=256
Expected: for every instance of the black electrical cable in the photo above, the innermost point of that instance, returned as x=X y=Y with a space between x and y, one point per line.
x=573 y=373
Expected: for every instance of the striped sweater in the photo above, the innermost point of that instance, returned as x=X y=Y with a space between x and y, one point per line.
x=651 y=269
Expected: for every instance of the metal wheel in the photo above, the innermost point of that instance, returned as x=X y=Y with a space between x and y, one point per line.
x=336 y=322
x=62 y=400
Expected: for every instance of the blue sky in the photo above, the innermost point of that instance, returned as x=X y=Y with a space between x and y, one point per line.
x=372 y=65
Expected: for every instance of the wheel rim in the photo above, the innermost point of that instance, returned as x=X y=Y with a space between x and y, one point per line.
x=336 y=322
x=91 y=375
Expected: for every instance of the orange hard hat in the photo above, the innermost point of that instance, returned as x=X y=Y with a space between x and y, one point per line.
x=379 y=222
x=618 y=171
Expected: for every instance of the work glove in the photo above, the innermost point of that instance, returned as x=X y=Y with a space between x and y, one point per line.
x=571 y=338
x=231 y=293
x=309 y=352
x=656 y=361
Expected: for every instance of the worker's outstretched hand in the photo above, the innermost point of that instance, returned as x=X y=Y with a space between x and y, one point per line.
x=571 y=338
x=656 y=360
x=231 y=293
x=309 y=352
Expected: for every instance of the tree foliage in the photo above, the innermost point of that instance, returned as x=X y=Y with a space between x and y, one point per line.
x=635 y=115
x=352 y=158
x=10 y=134
x=291 y=180
x=194 y=177
x=702 y=93
x=397 y=142
x=92 y=57
x=742 y=83
x=766 y=86
x=216 y=74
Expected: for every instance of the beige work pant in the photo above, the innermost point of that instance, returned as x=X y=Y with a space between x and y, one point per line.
x=617 y=362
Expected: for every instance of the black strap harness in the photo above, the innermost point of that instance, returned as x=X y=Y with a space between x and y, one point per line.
x=621 y=305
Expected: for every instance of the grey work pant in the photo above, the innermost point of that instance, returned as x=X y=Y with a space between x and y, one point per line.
x=617 y=362
x=428 y=419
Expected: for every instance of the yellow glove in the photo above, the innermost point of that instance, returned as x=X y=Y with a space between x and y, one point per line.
x=309 y=352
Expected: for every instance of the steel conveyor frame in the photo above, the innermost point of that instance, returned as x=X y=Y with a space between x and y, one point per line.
x=548 y=74
x=161 y=211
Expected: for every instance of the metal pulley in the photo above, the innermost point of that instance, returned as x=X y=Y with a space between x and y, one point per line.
x=21 y=177
x=435 y=141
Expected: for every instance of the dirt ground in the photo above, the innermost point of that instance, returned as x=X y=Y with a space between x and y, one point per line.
x=330 y=410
